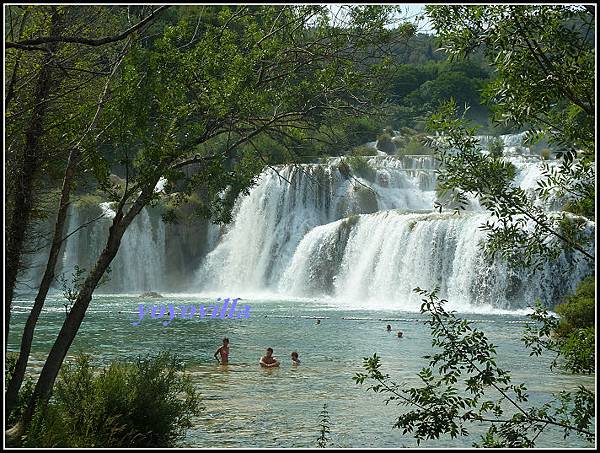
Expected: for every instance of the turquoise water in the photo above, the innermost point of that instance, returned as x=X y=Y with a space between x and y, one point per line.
x=247 y=406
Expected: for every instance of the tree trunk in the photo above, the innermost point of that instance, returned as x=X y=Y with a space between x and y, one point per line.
x=73 y=321
x=19 y=217
x=18 y=375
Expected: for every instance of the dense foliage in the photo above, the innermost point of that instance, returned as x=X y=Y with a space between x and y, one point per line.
x=147 y=403
x=543 y=57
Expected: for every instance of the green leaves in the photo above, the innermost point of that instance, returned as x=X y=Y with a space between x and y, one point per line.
x=459 y=377
x=520 y=230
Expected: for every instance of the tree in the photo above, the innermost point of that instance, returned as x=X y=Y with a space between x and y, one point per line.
x=543 y=57
x=82 y=61
x=520 y=230
x=198 y=96
x=544 y=60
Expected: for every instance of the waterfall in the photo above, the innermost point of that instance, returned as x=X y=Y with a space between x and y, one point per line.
x=359 y=231
x=381 y=257
x=310 y=231
x=289 y=201
x=139 y=264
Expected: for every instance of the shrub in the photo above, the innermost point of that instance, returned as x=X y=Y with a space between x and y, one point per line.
x=148 y=403
x=344 y=169
x=26 y=388
x=407 y=131
x=584 y=206
x=576 y=329
x=400 y=141
x=323 y=438
x=415 y=146
x=363 y=150
x=578 y=350
x=578 y=310
x=496 y=147
x=385 y=144
x=361 y=167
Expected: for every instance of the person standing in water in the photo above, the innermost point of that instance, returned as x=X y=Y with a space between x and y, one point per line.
x=224 y=352
x=268 y=361
x=295 y=359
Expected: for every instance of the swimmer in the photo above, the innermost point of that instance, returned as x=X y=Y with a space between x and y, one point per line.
x=389 y=328
x=399 y=334
x=268 y=361
x=223 y=351
x=295 y=359
x=318 y=322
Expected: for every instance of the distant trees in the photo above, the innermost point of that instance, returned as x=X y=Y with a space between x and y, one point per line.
x=544 y=59
x=418 y=89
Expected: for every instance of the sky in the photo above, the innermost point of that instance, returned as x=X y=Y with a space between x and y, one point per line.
x=412 y=10
x=409 y=12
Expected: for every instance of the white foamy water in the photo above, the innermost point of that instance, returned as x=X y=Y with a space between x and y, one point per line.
x=314 y=231
x=304 y=239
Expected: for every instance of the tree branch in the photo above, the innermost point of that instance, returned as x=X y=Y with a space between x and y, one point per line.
x=28 y=43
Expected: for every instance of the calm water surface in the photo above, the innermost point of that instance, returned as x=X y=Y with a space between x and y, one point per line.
x=246 y=406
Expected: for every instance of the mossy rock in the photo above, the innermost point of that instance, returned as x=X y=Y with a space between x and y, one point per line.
x=349 y=222
x=151 y=295
x=367 y=199
x=361 y=167
x=385 y=144
x=363 y=150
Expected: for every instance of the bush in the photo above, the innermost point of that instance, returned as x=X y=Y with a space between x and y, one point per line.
x=584 y=206
x=385 y=144
x=26 y=388
x=363 y=150
x=361 y=167
x=579 y=309
x=415 y=146
x=576 y=328
x=400 y=141
x=578 y=350
x=148 y=403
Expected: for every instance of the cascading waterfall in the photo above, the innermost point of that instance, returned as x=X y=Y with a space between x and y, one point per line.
x=382 y=256
x=308 y=231
x=139 y=264
x=286 y=204
x=366 y=237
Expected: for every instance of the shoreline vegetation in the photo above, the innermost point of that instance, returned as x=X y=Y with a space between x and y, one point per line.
x=148 y=402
